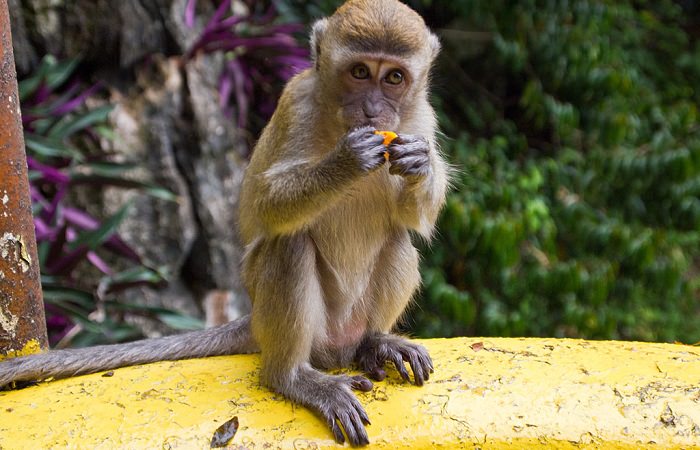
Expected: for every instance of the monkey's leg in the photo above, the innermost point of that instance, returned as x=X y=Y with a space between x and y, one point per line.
x=288 y=319
x=394 y=281
x=228 y=339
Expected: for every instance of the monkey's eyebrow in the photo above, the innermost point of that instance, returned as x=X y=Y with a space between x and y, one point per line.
x=392 y=45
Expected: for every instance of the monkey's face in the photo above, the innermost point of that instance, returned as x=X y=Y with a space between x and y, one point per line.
x=372 y=92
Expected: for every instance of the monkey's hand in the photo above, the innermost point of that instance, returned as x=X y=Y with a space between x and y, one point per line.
x=363 y=149
x=378 y=349
x=409 y=156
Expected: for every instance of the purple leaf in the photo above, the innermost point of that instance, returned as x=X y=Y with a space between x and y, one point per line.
x=225 y=88
x=66 y=264
x=118 y=246
x=98 y=262
x=229 y=22
x=37 y=196
x=42 y=230
x=79 y=218
x=27 y=119
x=75 y=102
x=234 y=67
x=189 y=13
x=48 y=173
x=114 y=243
x=218 y=14
x=51 y=212
x=41 y=94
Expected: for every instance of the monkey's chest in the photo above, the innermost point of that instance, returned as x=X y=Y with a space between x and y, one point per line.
x=349 y=238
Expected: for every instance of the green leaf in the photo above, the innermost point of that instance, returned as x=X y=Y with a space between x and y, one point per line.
x=51 y=72
x=149 y=188
x=50 y=148
x=134 y=276
x=70 y=124
x=28 y=86
x=181 y=322
x=103 y=168
x=59 y=72
x=94 y=238
x=60 y=294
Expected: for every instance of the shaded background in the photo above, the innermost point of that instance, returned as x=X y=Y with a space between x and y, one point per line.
x=573 y=127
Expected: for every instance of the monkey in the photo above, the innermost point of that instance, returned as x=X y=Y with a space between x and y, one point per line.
x=328 y=223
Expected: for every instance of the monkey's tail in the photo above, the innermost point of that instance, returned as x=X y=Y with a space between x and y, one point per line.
x=228 y=339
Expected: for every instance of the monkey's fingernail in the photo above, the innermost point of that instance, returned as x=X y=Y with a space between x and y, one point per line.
x=386 y=155
x=365 y=418
x=388 y=137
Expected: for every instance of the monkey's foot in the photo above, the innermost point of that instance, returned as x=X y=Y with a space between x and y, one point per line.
x=331 y=397
x=378 y=349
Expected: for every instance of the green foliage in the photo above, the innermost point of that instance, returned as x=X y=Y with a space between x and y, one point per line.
x=79 y=285
x=576 y=210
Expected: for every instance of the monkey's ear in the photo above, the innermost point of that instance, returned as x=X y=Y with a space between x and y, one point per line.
x=435 y=46
x=317 y=31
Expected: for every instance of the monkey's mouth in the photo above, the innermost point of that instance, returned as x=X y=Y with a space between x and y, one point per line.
x=377 y=124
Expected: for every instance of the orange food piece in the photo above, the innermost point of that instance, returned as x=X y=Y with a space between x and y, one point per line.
x=388 y=137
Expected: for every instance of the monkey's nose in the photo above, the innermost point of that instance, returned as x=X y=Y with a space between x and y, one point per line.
x=371 y=110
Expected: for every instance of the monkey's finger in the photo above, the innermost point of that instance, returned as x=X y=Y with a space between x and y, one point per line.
x=428 y=362
x=361 y=431
x=337 y=432
x=364 y=417
x=345 y=422
x=425 y=362
x=418 y=375
x=398 y=363
x=353 y=418
x=360 y=383
x=403 y=139
x=412 y=356
x=427 y=369
x=409 y=166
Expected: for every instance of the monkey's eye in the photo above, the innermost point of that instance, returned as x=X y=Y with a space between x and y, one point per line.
x=360 y=71
x=394 y=77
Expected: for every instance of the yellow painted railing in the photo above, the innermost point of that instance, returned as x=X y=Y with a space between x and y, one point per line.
x=485 y=393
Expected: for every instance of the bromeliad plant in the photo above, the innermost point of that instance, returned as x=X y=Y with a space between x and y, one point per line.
x=62 y=137
x=261 y=54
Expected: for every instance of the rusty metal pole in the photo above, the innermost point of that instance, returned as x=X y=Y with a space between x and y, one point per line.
x=22 y=322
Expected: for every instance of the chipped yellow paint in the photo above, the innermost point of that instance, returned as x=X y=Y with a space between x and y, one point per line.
x=489 y=394
x=30 y=348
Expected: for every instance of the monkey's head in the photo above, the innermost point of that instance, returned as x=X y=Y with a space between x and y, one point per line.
x=373 y=58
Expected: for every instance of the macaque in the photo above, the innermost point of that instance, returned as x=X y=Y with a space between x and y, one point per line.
x=326 y=219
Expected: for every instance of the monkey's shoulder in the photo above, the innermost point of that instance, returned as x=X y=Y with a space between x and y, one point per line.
x=299 y=93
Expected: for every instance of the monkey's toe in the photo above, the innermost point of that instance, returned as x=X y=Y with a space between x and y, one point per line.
x=377 y=374
x=360 y=383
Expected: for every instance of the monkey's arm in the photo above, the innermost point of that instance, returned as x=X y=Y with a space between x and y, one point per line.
x=424 y=185
x=290 y=195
